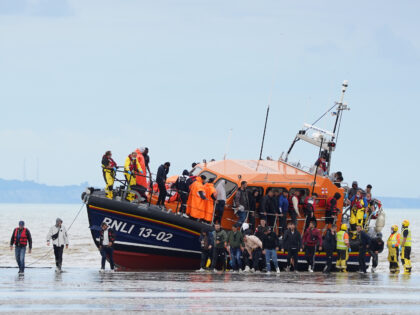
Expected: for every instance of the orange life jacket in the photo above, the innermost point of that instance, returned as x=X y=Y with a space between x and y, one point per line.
x=209 y=203
x=196 y=205
x=141 y=180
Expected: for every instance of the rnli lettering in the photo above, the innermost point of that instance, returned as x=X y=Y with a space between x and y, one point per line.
x=127 y=228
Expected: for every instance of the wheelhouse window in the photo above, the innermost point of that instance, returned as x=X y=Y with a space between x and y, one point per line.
x=196 y=171
x=208 y=175
x=229 y=186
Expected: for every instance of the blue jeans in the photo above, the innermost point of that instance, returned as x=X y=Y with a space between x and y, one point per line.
x=242 y=216
x=271 y=254
x=20 y=257
x=235 y=257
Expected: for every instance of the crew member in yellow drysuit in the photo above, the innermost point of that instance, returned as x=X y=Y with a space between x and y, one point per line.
x=358 y=206
x=393 y=249
x=109 y=167
x=406 y=247
x=131 y=169
x=343 y=246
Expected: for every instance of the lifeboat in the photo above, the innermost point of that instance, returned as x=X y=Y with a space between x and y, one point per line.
x=150 y=238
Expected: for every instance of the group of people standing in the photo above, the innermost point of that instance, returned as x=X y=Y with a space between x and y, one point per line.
x=58 y=236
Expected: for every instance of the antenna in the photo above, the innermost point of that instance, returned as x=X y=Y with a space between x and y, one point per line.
x=265 y=128
x=228 y=144
x=340 y=108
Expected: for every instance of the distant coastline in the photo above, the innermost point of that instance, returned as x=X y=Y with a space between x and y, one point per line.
x=16 y=191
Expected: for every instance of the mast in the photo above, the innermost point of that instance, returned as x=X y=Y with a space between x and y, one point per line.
x=265 y=128
x=340 y=108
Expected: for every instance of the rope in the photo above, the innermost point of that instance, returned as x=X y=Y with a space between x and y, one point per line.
x=51 y=249
x=322 y=116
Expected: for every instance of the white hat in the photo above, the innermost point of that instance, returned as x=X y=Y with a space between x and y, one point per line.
x=245 y=226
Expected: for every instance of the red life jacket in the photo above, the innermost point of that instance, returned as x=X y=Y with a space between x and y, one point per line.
x=329 y=203
x=133 y=165
x=23 y=241
x=111 y=162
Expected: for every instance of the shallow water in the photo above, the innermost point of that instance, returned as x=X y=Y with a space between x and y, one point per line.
x=82 y=289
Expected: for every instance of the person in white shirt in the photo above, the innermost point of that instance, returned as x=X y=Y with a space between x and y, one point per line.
x=58 y=235
x=106 y=246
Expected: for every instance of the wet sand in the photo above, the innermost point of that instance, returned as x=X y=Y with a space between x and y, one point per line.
x=83 y=289
x=86 y=290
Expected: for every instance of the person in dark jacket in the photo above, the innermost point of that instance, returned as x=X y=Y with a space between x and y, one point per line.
x=182 y=187
x=311 y=239
x=162 y=173
x=283 y=210
x=253 y=197
x=241 y=203
x=235 y=243
x=329 y=244
x=364 y=241
x=376 y=246
x=268 y=208
x=207 y=246
x=332 y=210
x=292 y=244
x=219 y=252
x=308 y=210
x=106 y=246
x=270 y=248
x=21 y=237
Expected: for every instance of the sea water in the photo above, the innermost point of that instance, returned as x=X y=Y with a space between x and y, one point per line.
x=81 y=288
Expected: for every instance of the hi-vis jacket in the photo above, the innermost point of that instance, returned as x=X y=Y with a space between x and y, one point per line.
x=62 y=238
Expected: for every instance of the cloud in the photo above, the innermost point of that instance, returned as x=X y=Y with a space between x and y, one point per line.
x=40 y=8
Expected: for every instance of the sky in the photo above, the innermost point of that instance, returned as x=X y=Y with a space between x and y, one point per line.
x=80 y=77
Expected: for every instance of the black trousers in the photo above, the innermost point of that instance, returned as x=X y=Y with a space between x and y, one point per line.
x=162 y=194
x=293 y=216
x=220 y=208
x=58 y=254
x=362 y=259
x=293 y=253
x=374 y=259
x=183 y=195
x=309 y=255
x=205 y=255
x=219 y=256
x=329 y=256
x=256 y=255
x=282 y=224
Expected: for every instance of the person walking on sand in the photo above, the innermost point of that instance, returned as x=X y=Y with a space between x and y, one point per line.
x=106 y=246
x=58 y=235
x=21 y=237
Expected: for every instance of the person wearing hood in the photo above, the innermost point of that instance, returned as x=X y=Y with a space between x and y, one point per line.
x=58 y=235
x=131 y=169
x=221 y=200
x=207 y=246
x=353 y=190
x=162 y=173
x=332 y=210
x=211 y=195
x=109 y=169
x=21 y=237
x=196 y=199
x=375 y=248
x=141 y=179
x=308 y=210
x=182 y=186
